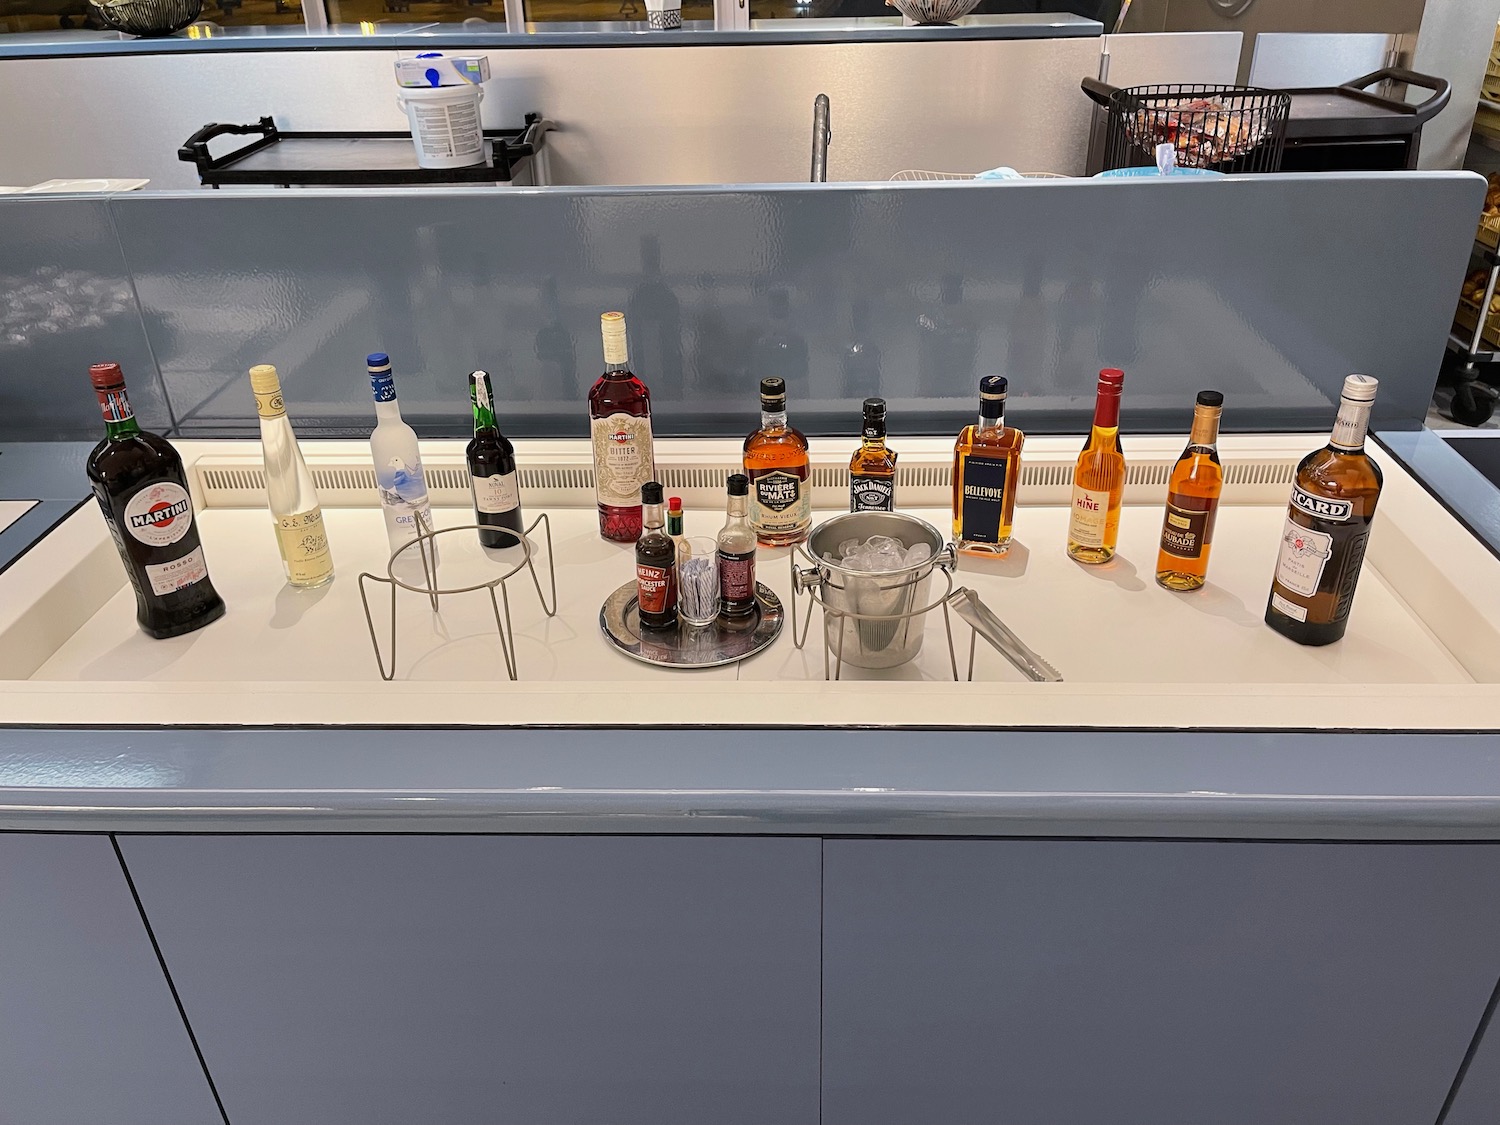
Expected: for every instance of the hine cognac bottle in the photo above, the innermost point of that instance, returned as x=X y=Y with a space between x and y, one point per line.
x=620 y=425
x=1099 y=479
x=1327 y=526
x=142 y=491
x=986 y=474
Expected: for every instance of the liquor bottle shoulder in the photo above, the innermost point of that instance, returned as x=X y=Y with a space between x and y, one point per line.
x=119 y=462
x=783 y=441
x=1338 y=473
x=619 y=392
x=993 y=440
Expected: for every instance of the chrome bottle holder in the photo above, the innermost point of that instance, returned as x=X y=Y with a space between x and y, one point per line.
x=425 y=543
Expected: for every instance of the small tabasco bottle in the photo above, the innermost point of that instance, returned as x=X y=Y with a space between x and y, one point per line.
x=1187 y=529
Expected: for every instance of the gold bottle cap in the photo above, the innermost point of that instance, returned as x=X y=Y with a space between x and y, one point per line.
x=263 y=379
x=612 y=325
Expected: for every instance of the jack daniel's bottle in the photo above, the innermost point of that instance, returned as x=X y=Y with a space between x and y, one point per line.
x=1327 y=526
x=142 y=490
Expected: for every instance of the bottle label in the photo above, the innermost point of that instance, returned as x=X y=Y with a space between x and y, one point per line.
x=1186 y=533
x=159 y=514
x=872 y=494
x=270 y=404
x=115 y=405
x=736 y=576
x=653 y=588
x=1090 y=517
x=304 y=546
x=383 y=386
x=497 y=494
x=169 y=577
x=778 y=502
x=1304 y=555
x=1320 y=507
x=403 y=495
x=623 y=458
x=1291 y=609
x=983 y=499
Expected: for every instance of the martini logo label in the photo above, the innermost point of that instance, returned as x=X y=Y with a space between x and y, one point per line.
x=159 y=514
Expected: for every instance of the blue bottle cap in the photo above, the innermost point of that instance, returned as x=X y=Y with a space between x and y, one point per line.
x=377 y=359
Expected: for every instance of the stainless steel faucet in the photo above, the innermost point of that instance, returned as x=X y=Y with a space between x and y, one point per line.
x=822 y=135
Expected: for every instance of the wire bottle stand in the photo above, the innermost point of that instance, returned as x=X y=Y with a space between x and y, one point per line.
x=425 y=543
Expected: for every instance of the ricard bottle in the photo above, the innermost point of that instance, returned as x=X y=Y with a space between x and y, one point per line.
x=138 y=479
x=620 y=426
x=1327 y=527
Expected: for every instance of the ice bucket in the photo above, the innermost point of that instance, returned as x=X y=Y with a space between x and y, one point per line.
x=874 y=620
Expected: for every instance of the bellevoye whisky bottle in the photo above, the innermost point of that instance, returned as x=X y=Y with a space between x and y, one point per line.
x=138 y=479
x=1327 y=527
x=986 y=474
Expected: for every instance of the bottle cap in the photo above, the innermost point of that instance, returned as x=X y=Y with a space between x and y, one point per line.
x=1112 y=378
x=375 y=361
x=1357 y=388
x=674 y=503
x=739 y=484
x=874 y=406
x=612 y=326
x=106 y=376
x=264 y=380
x=1210 y=398
x=651 y=492
x=992 y=386
x=773 y=389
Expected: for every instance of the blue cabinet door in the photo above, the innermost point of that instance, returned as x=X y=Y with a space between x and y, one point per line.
x=396 y=980
x=89 y=1034
x=1152 y=982
x=1477 y=1099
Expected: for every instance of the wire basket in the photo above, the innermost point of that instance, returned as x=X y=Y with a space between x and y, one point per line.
x=1219 y=128
x=927 y=13
x=147 y=17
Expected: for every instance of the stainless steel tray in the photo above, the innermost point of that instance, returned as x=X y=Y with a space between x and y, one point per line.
x=689 y=646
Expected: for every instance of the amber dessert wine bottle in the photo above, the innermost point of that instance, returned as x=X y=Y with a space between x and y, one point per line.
x=1327 y=526
x=1099 y=479
x=872 y=469
x=620 y=426
x=778 y=465
x=142 y=490
x=1187 y=528
x=986 y=473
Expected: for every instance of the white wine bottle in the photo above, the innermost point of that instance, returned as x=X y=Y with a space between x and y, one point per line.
x=300 y=534
x=398 y=463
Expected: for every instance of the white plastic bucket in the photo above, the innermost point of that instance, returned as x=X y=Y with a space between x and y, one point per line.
x=444 y=124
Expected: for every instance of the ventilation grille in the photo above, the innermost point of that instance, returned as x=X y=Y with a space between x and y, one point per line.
x=1259 y=472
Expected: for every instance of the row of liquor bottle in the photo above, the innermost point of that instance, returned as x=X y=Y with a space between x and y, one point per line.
x=139 y=482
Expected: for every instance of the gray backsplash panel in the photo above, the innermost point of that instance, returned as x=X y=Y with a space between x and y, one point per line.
x=1270 y=288
x=66 y=302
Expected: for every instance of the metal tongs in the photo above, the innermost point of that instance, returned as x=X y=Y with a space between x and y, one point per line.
x=966 y=604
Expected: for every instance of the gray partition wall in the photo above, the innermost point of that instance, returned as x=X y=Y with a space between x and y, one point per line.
x=1272 y=288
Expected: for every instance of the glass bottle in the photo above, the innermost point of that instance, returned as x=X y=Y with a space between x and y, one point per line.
x=620 y=425
x=737 y=553
x=674 y=527
x=398 y=465
x=1187 y=530
x=986 y=475
x=298 y=518
x=138 y=479
x=777 y=466
x=1327 y=527
x=872 y=469
x=1099 y=479
x=493 y=481
x=655 y=560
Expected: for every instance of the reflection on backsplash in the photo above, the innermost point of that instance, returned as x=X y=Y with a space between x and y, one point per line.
x=845 y=292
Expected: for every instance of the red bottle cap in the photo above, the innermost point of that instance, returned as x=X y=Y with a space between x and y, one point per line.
x=674 y=504
x=1112 y=377
x=106 y=376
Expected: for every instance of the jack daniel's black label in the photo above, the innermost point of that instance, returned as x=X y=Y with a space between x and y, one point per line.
x=983 y=499
x=872 y=494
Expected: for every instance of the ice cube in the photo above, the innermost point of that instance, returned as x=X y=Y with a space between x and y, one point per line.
x=881 y=542
x=848 y=547
x=918 y=553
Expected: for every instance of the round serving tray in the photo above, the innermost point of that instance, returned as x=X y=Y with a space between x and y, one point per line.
x=689 y=646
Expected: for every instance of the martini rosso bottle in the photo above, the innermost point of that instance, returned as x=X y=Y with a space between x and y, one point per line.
x=141 y=488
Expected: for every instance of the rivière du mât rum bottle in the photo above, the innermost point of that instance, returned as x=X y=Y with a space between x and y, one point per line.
x=986 y=474
x=620 y=425
x=493 y=481
x=1099 y=479
x=295 y=512
x=1327 y=527
x=778 y=466
x=872 y=469
x=139 y=482
x=1187 y=528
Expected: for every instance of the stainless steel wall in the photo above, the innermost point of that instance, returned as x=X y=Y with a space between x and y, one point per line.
x=628 y=115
